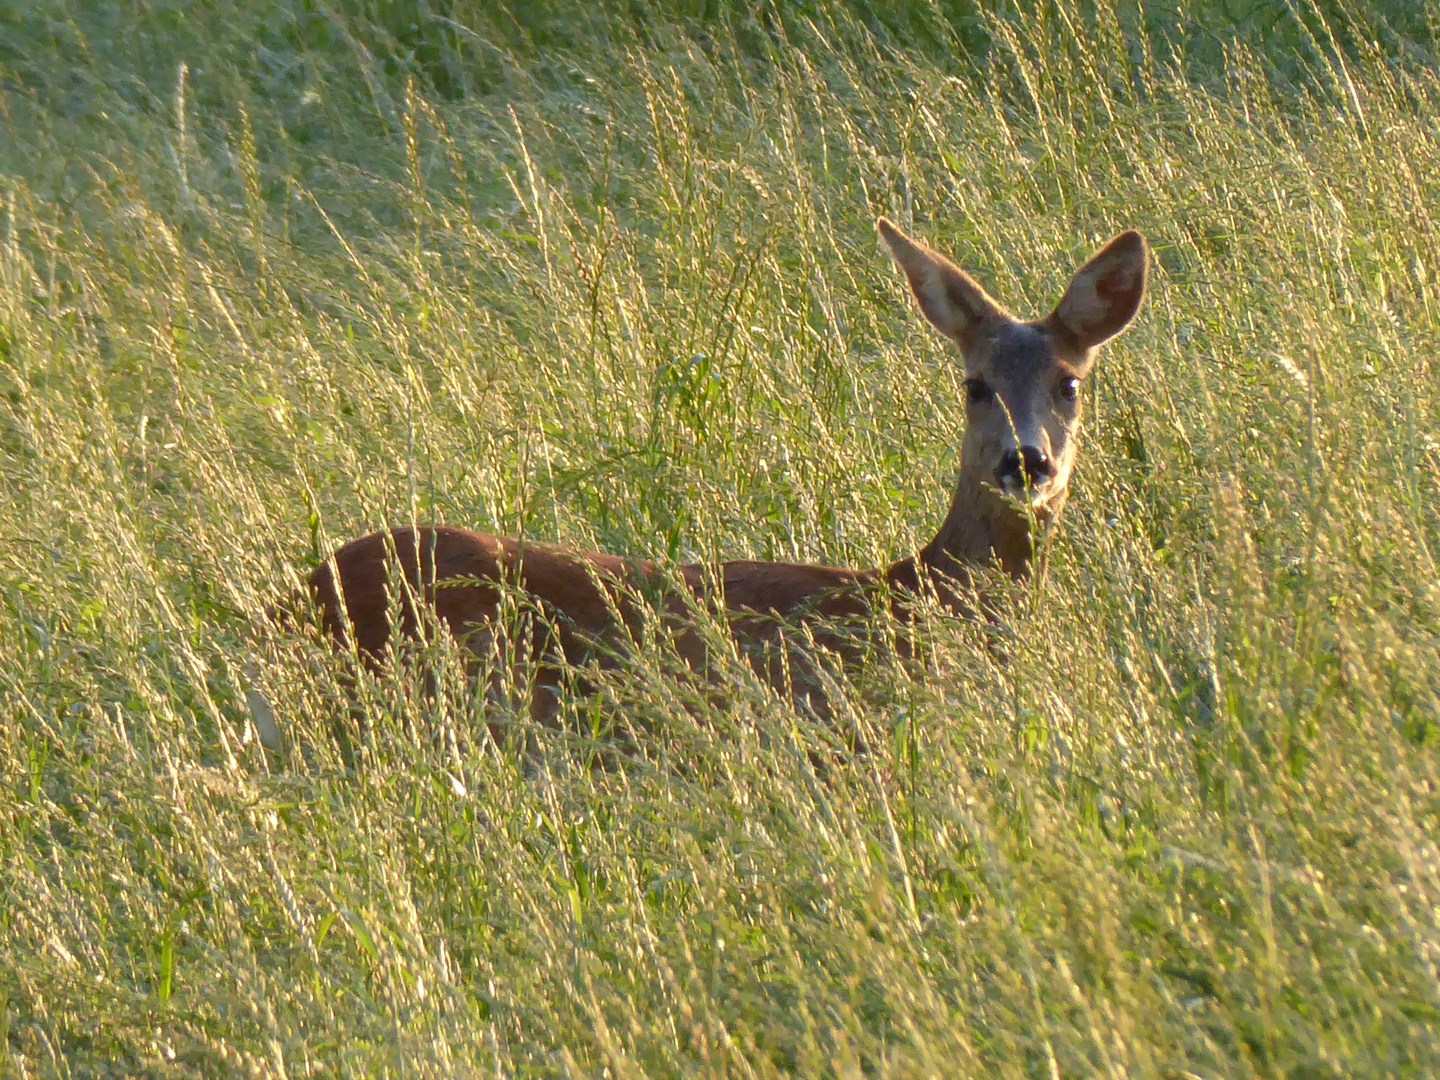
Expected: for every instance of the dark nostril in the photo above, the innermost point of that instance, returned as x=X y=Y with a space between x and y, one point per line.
x=1037 y=463
x=1010 y=463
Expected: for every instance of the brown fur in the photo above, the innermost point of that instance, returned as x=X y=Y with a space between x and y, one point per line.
x=586 y=598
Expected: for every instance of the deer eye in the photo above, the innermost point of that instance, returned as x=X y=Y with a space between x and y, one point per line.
x=1069 y=389
x=978 y=391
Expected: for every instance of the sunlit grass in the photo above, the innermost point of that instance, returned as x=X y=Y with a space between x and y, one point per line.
x=614 y=282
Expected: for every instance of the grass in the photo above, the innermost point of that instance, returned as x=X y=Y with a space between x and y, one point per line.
x=274 y=274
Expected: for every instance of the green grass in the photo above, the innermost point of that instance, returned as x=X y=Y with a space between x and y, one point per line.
x=610 y=277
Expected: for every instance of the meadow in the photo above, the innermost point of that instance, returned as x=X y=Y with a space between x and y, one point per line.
x=275 y=273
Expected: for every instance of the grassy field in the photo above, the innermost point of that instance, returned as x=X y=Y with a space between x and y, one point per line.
x=274 y=274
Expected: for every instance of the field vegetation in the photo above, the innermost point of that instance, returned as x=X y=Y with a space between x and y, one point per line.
x=274 y=273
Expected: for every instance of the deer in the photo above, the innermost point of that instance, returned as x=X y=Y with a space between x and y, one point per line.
x=1023 y=384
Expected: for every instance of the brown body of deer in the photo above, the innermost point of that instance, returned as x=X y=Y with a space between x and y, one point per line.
x=1023 y=384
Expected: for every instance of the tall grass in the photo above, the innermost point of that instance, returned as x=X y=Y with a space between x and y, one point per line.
x=274 y=274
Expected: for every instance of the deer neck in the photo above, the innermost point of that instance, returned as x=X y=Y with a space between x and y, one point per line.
x=981 y=528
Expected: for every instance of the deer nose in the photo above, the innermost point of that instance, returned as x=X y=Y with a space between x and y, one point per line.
x=1031 y=462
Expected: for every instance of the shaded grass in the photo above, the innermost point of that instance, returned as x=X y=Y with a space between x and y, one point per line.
x=630 y=297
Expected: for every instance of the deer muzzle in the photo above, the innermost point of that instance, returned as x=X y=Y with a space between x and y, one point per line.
x=1027 y=467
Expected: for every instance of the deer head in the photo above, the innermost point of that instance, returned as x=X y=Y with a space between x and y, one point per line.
x=1024 y=381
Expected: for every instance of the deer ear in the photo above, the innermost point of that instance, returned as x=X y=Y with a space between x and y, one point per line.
x=1105 y=293
x=951 y=299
